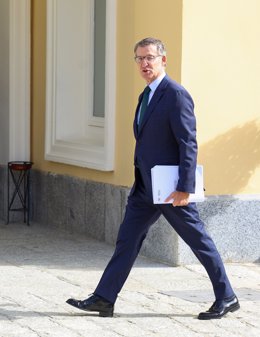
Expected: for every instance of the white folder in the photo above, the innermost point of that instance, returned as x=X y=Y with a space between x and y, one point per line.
x=165 y=179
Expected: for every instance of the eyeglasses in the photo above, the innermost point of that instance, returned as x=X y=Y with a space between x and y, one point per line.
x=148 y=58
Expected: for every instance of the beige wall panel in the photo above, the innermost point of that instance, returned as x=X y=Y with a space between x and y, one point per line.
x=221 y=69
x=38 y=74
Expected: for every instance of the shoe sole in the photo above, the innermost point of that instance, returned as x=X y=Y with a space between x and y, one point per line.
x=235 y=308
x=101 y=313
x=106 y=314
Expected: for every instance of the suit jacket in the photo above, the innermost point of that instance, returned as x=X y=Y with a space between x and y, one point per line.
x=167 y=135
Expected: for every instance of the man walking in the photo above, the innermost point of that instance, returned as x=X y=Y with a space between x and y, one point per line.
x=165 y=132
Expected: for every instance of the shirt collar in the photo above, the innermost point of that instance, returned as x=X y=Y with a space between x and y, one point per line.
x=153 y=86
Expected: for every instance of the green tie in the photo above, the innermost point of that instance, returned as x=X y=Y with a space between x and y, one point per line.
x=144 y=104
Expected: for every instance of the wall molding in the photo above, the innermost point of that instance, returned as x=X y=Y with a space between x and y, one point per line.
x=69 y=137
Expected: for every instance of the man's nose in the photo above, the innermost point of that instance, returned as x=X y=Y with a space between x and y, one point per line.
x=144 y=62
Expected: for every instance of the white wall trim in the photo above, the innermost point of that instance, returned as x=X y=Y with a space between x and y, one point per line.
x=94 y=147
x=110 y=95
x=19 y=84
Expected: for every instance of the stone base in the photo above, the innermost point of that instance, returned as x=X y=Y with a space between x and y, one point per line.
x=97 y=209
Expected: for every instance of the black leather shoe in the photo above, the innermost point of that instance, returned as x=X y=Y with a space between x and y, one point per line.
x=220 y=308
x=94 y=303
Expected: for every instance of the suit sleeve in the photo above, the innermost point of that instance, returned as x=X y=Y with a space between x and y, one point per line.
x=183 y=125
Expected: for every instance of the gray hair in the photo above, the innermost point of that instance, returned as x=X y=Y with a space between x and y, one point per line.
x=150 y=40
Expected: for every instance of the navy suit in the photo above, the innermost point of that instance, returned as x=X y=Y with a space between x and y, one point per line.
x=167 y=136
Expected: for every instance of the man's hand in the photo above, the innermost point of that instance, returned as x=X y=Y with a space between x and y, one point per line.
x=179 y=198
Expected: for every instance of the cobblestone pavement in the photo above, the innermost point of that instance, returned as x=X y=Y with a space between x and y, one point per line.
x=41 y=267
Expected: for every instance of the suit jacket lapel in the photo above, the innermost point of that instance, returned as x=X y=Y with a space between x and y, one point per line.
x=136 y=115
x=152 y=104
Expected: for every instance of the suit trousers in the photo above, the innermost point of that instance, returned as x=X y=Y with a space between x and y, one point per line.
x=140 y=214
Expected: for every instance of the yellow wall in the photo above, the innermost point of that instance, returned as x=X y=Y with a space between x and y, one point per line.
x=213 y=50
x=221 y=67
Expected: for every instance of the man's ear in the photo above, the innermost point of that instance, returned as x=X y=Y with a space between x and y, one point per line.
x=164 y=59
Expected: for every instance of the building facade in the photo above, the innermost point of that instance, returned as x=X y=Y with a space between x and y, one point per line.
x=68 y=91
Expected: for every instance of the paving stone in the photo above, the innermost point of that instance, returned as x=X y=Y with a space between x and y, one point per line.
x=41 y=266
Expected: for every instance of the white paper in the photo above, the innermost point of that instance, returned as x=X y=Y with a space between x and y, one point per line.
x=165 y=179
